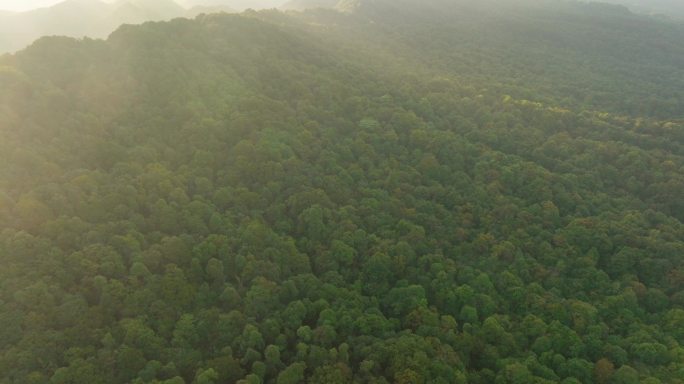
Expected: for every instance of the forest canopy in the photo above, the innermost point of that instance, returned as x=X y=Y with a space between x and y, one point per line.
x=384 y=192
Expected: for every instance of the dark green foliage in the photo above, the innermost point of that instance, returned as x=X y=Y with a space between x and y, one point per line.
x=260 y=199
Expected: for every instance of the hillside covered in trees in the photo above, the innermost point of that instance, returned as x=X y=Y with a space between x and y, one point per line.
x=386 y=191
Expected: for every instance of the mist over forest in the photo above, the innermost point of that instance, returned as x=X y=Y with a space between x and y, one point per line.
x=669 y=8
x=98 y=18
x=342 y=192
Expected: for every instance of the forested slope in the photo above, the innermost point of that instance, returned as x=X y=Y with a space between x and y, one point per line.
x=267 y=198
x=586 y=56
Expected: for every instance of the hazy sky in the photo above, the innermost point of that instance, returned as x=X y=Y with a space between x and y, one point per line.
x=25 y=5
x=22 y=5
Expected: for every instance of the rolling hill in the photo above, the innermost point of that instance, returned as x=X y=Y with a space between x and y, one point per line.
x=391 y=192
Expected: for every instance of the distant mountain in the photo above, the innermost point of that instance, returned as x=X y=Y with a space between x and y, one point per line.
x=93 y=18
x=299 y=5
x=139 y=11
x=73 y=18
x=156 y=9
x=670 y=8
x=199 y=9
x=239 y=5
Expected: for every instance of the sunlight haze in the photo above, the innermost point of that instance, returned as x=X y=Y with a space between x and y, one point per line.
x=25 y=5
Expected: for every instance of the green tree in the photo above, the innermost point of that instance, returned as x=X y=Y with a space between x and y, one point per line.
x=292 y=375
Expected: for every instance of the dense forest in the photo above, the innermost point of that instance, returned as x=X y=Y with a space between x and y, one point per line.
x=401 y=192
